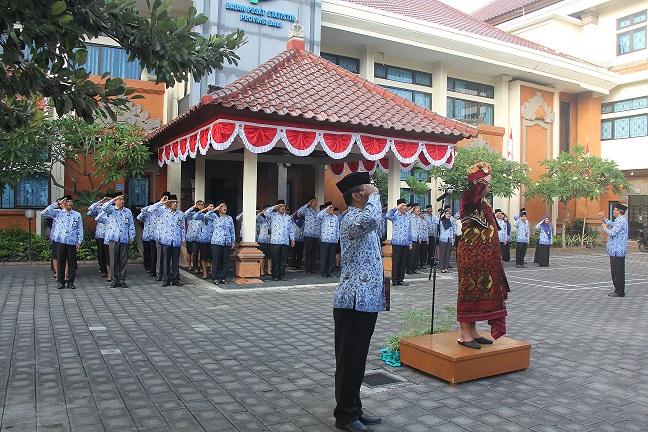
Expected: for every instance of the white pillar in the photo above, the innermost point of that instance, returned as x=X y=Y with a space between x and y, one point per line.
x=249 y=195
x=440 y=89
x=367 y=57
x=174 y=178
x=199 y=178
x=514 y=114
x=555 y=149
x=282 y=181
x=502 y=105
x=319 y=183
x=393 y=187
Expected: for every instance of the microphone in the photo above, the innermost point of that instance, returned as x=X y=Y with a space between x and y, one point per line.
x=445 y=194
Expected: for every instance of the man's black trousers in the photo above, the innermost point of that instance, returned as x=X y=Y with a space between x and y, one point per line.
x=520 y=252
x=311 y=249
x=353 y=331
x=617 y=266
x=66 y=253
x=171 y=264
x=279 y=257
x=327 y=257
x=399 y=262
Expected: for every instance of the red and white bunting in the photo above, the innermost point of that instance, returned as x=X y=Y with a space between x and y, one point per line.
x=261 y=138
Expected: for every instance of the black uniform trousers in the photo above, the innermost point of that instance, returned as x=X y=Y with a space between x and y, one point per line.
x=297 y=255
x=171 y=264
x=102 y=259
x=399 y=262
x=118 y=253
x=423 y=251
x=220 y=260
x=146 y=247
x=431 y=245
x=353 y=331
x=66 y=254
x=617 y=267
x=412 y=257
x=311 y=248
x=520 y=252
x=505 y=249
x=154 y=257
x=327 y=257
x=279 y=257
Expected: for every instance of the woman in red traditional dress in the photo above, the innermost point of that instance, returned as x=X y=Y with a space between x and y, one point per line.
x=483 y=288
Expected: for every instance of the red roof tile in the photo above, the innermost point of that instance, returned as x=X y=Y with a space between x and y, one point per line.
x=498 y=8
x=298 y=84
x=440 y=13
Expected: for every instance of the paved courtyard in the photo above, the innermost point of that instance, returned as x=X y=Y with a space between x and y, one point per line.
x=199 y=358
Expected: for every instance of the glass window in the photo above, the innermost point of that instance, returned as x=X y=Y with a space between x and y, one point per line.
x=607 y=108
x=638 y=18
x=639 y=39
x=639 y=103
x=419 y=98
x=638 y=126
x=623 y=43
x=403 y=75
x=621 y=128
x=471 y=111
x=471 y=88
x=7 y=198
x=606 y=129
x=138 y=191
x=622 y=106
x=400 y=75
x=624 y=22
x=114 y=60
x=349 y=63
x=32 y=192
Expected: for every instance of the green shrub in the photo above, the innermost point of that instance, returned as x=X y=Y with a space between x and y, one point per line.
x=416 y=322
x=14 y=246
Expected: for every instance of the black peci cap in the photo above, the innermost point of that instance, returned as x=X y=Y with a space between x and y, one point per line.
x=400 y=201
x=173 y=197
x=281 y=202
x=621 y=207
x=352 y=180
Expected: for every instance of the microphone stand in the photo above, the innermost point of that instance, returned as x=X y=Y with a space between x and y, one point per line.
x=434 y=261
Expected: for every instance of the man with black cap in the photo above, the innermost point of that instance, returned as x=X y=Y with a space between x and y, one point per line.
x=68 y=238
x=120 y=233
x=100 y=232
x=172 y=232
x=503 y=235
x=281 y=238
x=358 y=298
x=311 y=234
x=148 y=235
x=432 y=224
x=521 y=238
x=617 y=246
x=329 y=237
x=401 y=240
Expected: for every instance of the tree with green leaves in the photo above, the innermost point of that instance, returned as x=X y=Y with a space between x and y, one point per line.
x=507 y=177
x=100 y=154
x=43 y=52
x=577 y=175
x=418 y=188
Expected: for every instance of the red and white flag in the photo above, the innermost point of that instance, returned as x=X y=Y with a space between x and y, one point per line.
x=509 y=146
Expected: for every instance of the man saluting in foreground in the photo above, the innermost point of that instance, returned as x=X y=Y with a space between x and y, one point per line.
x=358 y=298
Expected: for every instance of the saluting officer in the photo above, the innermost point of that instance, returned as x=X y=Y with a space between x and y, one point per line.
x=68 y=237
x=401 y=240
x=171 y=235
x=204 y=238
x=222 y=241
x=193 y=231
x=329 y=237
x=311 y=234
x=148 y=234
x=100 y=232
x=120 y=233
x=281 y=238
x=358 y=298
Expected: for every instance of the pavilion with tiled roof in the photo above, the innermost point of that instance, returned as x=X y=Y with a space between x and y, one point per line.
x=298 y=105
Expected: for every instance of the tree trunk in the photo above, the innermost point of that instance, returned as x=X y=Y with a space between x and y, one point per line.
x=584 y=221
x=564 y=229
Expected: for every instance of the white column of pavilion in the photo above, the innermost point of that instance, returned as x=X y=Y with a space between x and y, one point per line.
x=249 y=195
x=393 y=187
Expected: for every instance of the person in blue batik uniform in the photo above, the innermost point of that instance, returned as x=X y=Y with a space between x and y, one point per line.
x=423 y=239
x=193 y=231
x=358 y=298
x=617 y=246
x=401 y=240
x=171 y=235
x=545 y=240
x=68 y=236
x=120 y=233
x=204 y=238
x=311 y=234
x=100 y=232
x=298 y=234
x=412 y=255
x=281 y=238
x=503 y=234
x=263 y=238
x=222 y=241
x=446 y=239
x=432 y=223
x=148 y=233
x=329 y=237
x=521 y=238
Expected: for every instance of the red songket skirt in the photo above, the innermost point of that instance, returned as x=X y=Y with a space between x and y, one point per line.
x=483 y=287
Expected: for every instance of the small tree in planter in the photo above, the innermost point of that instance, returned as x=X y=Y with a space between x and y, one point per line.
x=416 y=322
x=577 y=175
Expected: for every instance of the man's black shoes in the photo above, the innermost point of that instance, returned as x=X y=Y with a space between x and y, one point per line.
x=70 y=285
x=355 y=426
x=123 y=285
x=61 y=285
x=166 y=284
x=615 y=294
x=369 y=420
x=483 y=341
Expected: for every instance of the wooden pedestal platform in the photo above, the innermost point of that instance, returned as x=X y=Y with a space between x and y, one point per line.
x=440 y=355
